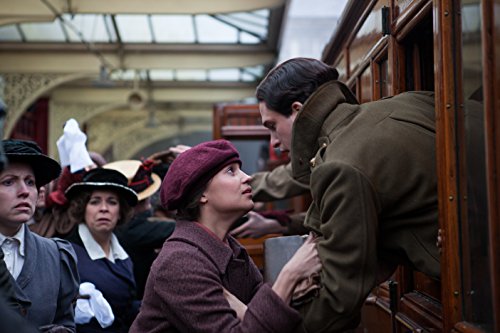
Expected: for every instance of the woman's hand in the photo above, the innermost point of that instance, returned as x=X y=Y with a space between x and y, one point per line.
x=235 y=304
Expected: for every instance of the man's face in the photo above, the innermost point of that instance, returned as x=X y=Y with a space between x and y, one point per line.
x=279 y=125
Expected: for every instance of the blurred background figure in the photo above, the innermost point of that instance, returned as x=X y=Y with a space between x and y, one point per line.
x=142 y=237
x=97 y=205
x=52 y=219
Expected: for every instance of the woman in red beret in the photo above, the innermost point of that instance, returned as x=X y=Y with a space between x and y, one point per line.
x=203 y=280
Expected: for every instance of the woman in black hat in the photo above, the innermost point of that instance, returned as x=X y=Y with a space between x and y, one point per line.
x=96 y=206
x=203 y=280
x=44 y=270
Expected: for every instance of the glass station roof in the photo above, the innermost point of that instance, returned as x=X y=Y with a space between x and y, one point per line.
x=241 y=28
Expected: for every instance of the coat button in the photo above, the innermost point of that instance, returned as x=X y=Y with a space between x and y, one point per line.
x=312 y=162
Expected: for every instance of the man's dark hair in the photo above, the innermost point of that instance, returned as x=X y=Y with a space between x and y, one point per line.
x=293 y=81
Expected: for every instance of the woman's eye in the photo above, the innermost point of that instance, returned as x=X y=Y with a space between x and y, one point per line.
x=7 y=182
x=30 y=182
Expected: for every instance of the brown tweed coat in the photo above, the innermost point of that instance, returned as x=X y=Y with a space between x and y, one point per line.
x=184 y=289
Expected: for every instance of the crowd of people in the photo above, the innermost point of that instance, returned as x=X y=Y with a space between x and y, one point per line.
x=150 y=245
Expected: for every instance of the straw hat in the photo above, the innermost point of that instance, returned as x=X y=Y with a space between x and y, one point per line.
x=140 y=177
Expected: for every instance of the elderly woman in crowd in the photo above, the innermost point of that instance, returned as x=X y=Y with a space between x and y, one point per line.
x=43 y=270
x=203 y=280
x=97 y=205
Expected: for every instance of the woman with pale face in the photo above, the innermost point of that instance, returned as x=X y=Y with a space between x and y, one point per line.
x=18 y=194
x=97 y=205
x=203 y=280
x=42 y=270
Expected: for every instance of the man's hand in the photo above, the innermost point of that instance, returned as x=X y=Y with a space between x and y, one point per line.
x=167 y=156
x=258 y=226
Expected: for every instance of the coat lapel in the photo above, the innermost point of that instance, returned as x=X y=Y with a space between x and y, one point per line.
x=307 y=126
x=30 y=259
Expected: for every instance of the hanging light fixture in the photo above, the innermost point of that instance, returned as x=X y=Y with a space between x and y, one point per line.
x=136 y=99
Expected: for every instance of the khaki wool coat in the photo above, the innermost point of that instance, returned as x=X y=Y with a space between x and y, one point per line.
x=371 y=170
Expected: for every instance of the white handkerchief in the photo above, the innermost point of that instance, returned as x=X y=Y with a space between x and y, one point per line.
x=71 y=147
x=96 y=306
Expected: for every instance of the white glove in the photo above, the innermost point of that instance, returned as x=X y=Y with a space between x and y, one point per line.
x=96 y=306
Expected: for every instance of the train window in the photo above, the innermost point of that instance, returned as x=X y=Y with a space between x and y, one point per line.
x=419 y=57
x=381 y=76
x=476 y=270
x=341 y=67
x=366 y=86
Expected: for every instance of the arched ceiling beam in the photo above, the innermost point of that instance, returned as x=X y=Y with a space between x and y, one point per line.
x=62 y=61
x=184 y=94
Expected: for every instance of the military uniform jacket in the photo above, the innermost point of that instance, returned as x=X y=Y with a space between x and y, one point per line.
x=184 y=289
x=371 y=170
x=276 y=184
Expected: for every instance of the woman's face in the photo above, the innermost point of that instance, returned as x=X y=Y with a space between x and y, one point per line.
x=18 y=196
x=229 y=190
x=102 y=211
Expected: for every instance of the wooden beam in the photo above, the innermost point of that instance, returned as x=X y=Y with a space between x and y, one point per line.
x=114 y=95
x=28 y=8
x=86 y=62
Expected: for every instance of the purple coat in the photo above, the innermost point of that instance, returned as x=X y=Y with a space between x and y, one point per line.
x=184 y=289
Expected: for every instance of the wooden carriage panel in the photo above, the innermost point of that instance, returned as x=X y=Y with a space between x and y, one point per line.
x=238 y=121
x=367 y=36
x=491 y=56
x=342 y=67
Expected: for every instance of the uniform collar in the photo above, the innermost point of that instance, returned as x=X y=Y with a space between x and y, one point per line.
x=19 y=237
x=309 y=122
x=95 y=251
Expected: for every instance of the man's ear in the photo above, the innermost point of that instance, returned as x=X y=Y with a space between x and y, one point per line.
x=296 y=106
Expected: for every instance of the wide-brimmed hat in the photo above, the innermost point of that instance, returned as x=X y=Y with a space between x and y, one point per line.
x=44 y=168
x=140 y=176
x=101 y=179
x=194 y=168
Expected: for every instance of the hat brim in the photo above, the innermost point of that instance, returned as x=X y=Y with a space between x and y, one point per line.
x=127 y=193
x=129 y=168
x=45 y=168
x=151 y=189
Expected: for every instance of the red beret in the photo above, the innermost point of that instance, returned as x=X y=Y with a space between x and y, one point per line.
x=194 y=168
